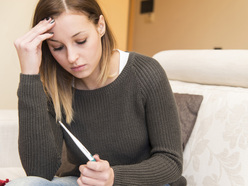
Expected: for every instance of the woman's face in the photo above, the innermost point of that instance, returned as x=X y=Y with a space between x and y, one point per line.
x=76 y=44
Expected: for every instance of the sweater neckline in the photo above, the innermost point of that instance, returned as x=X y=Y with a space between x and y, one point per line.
x=117 y=81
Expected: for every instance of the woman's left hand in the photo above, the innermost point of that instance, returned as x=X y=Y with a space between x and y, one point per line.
x=96 y=173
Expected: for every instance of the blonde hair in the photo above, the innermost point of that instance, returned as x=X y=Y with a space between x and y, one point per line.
x=55 y=79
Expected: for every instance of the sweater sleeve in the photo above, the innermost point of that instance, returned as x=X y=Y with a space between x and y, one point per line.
x=165 y=163
x=40 y=138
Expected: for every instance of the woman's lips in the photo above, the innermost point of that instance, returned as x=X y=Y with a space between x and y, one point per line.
x=78 y=68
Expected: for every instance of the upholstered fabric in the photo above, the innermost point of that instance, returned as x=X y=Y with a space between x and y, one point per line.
x=8 y=138
x=213 y=67
x=188 y=107
x=10 y=165
x=217 y=150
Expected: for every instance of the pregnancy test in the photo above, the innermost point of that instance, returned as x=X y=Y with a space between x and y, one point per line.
x=78 y=143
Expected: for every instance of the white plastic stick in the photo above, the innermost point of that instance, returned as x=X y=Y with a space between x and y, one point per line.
x=78 y=143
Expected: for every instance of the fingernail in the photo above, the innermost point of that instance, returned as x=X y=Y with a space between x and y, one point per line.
x=46 y=18
x=51 y=22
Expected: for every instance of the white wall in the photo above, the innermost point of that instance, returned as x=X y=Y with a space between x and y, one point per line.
x=15 y=19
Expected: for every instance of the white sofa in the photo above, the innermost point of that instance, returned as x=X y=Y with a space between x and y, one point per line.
x=10 y=165
x=217 y=150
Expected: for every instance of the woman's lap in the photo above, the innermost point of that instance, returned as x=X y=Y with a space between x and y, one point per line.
x=38 y=181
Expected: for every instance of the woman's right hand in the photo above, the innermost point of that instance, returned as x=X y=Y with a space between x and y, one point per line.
x=29 y=46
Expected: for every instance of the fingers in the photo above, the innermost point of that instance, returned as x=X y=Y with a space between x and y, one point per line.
x=29 y=46
x=41 y=28
x=99 y=165
x=89 y=177
x=97 y=157
x=83 y=180
x=38 y=33
x=96 y=173
x=101 y=175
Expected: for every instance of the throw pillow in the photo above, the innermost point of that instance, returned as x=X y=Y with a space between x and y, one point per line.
x=188 y=107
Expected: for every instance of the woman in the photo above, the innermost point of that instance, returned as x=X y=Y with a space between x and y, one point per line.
x=118 y=104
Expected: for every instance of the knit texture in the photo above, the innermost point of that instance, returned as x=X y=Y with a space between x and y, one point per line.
x=132 y=123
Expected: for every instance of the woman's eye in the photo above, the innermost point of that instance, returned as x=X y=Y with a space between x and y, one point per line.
x=58 y=48
x=81 y=42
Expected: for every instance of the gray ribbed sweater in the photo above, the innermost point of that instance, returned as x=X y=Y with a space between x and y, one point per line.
x=132 y=123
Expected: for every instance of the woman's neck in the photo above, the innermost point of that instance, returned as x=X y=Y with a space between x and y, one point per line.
x=92 y=83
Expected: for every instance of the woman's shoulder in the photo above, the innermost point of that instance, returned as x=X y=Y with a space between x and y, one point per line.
x=146 y=67
x=143 y=59
x=148 y=72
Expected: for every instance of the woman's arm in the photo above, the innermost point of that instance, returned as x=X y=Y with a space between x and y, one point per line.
x=40 y=138
x=165 y=163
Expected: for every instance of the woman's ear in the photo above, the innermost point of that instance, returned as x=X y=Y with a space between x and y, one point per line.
x=101 y=26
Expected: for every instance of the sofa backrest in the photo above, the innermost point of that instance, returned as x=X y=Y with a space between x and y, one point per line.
x=213 y=67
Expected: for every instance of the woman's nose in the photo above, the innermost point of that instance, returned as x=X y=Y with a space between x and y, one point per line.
x=72 y=55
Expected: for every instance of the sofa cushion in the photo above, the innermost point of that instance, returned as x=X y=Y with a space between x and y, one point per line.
x=9 y=156
x=10 y=164
x=188 y=107
x=217 y=150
